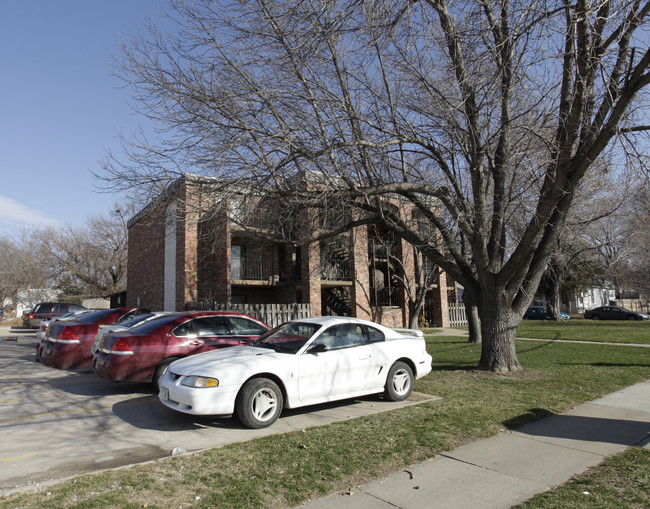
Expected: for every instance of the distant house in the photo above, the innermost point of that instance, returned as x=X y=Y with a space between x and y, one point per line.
x=97 y=303
x=180 y=254
x=597 y=295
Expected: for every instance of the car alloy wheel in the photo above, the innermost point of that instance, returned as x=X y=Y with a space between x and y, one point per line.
x=259 y=403
x=399 y=382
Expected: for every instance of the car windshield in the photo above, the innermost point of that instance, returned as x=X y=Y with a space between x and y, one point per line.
x=288 y=337
x=151 y=325
x=95 y=316
x=136 y=319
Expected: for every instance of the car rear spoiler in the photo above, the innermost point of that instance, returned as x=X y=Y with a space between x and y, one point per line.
x=410 y=332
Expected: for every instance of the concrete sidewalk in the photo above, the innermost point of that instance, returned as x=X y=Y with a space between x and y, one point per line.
x=512 y=466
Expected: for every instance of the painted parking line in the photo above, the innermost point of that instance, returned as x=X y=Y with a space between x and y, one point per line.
x=79 y=410
x=3 y=401
x=20 y=457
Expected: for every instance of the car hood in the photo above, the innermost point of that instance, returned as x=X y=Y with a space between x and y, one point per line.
x=205 y=364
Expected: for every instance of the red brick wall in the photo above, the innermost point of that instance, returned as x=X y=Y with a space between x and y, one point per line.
x=390 y=317
x=146 y=261
x=311 y=278
x=213 y=271
x=360 y=274
x=187 y=248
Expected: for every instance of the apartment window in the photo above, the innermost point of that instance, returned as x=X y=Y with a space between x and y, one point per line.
x=237 y=262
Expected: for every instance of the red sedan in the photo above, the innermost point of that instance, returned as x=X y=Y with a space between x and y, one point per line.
x=66 y=344
x=143 y=353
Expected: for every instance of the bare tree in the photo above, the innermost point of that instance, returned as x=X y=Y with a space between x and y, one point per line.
x=91 y=257
x=600 y=201
x=638 y=265
x=415 y=284
x=475 y=106
x=24 y=267
x=621 y=244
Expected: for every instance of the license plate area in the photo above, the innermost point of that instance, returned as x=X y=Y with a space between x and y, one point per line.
x=164 y=394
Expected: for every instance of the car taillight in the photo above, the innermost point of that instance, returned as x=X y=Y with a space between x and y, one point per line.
x=67 y=334
x=121 y=346
x=43 y=328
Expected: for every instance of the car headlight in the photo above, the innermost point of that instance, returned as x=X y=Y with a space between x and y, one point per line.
x=200 y=381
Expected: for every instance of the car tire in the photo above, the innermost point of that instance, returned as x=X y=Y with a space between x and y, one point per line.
x=595 y=317
x=632 y=317
x=259 y=403
x=161 y=369
x=399 y=383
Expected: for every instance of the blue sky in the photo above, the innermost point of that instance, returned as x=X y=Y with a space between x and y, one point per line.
x=60 y=108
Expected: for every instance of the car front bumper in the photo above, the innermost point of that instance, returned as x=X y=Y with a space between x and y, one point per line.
x=197 y=401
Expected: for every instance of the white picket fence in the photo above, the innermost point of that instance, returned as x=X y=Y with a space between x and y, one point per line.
x=275 y=314
x=271 y=314
x=457 y=316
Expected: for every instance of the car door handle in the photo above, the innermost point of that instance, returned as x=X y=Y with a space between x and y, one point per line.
x=364 y=357
x=195 y=343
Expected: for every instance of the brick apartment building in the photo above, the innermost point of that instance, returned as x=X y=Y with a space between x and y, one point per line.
x=182 y=249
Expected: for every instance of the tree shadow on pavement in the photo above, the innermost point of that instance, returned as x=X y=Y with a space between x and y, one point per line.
x=580 y=427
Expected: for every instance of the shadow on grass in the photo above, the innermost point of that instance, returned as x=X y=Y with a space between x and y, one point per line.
x=450 y=341
x=607 y=364
x=544 y=344
x=456 y=367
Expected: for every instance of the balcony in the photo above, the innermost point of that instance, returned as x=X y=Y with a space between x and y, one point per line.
x=256 y=269
x=385 y=297
x=378 y=251
x=335 y=269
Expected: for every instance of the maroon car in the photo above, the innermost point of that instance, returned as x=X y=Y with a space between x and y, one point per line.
x=67 y=344
x=143 y=353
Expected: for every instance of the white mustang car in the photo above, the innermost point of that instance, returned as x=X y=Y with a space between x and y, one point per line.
x=302 y=362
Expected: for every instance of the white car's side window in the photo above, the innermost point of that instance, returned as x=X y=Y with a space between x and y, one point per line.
x=345 y=336
x=327 y=338
x=375 y=335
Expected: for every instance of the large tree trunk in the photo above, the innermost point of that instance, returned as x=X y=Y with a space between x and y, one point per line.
x=552 y=294
x=474 y=323
x=498 y=327
x=414 y=315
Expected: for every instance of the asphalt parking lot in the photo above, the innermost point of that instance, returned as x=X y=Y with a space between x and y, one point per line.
x=55 y=424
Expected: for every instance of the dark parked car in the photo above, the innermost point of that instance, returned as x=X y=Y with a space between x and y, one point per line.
x=142 y=353
x=49 y=310
x=539 y=313
x=67 y=343
x=614 y=313
x=26 y=316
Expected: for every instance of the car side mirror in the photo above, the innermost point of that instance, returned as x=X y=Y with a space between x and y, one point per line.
x=318 y=348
